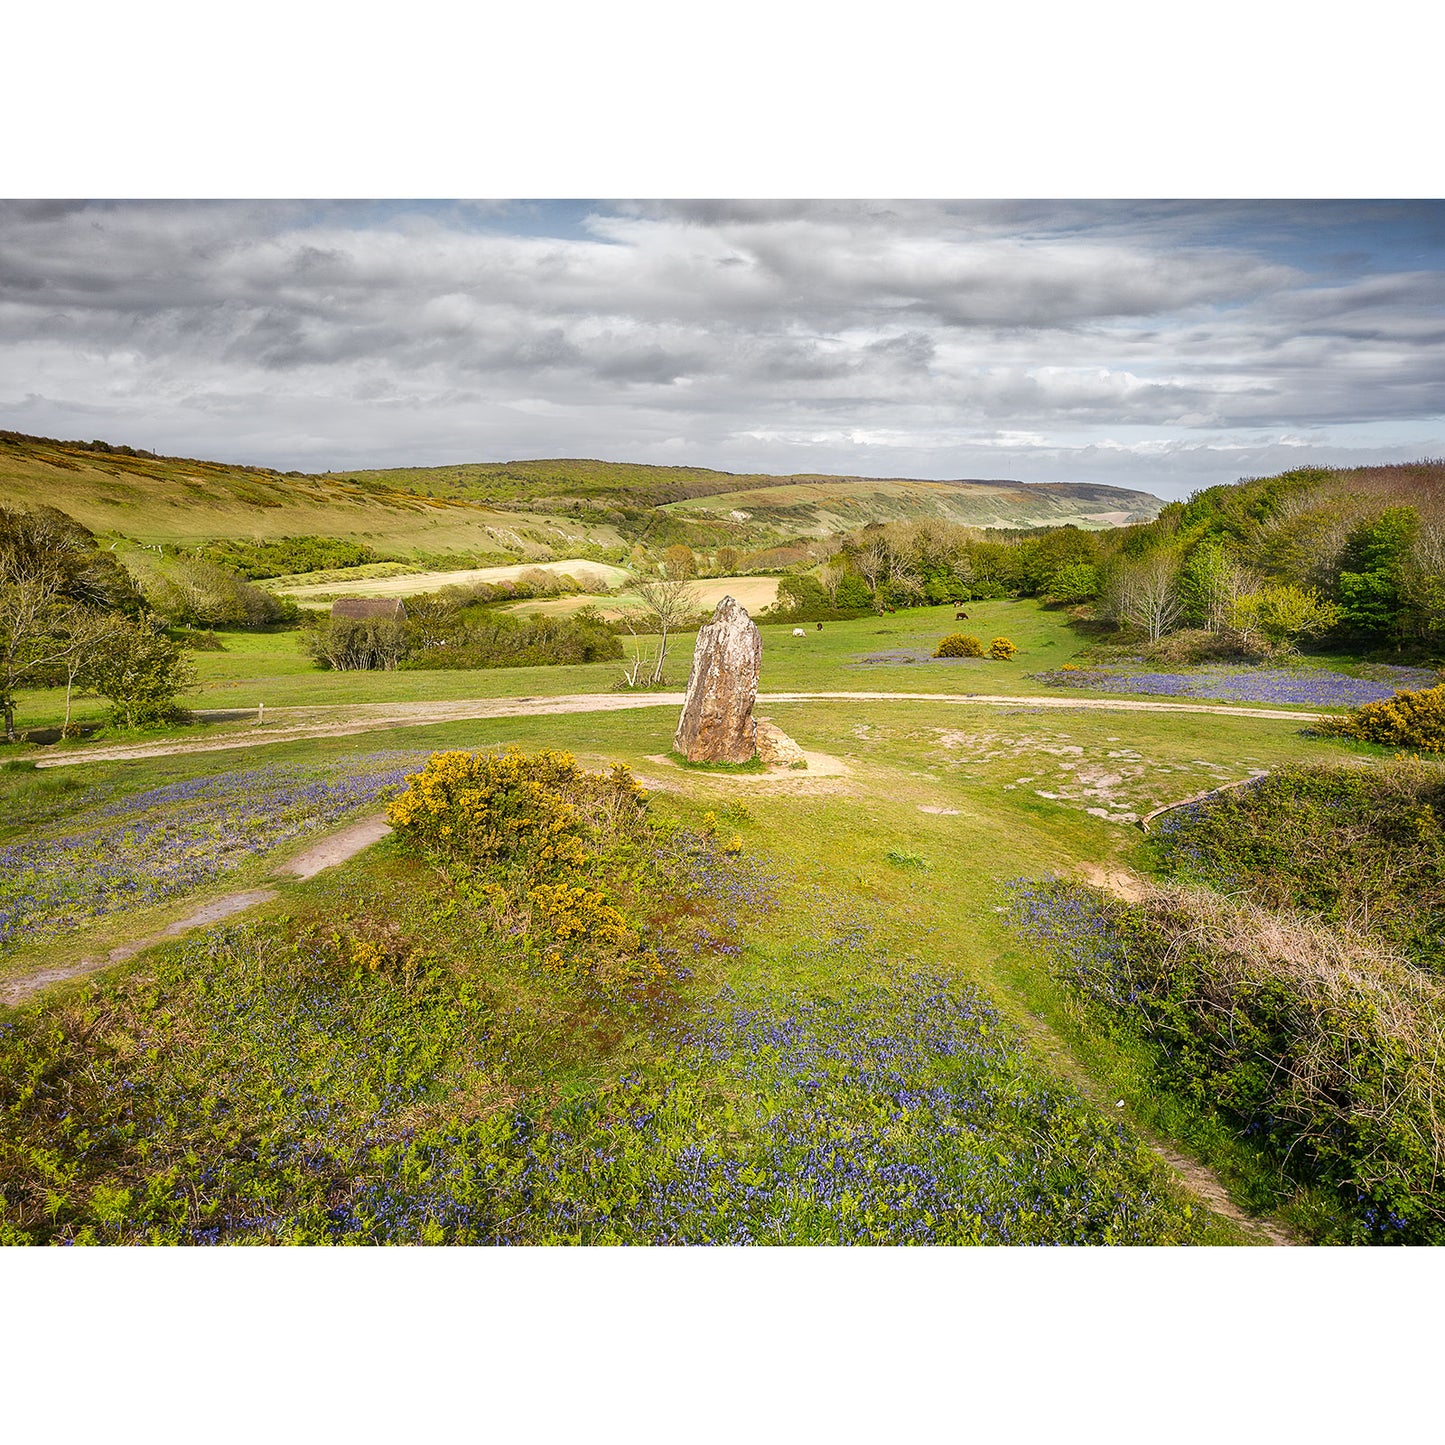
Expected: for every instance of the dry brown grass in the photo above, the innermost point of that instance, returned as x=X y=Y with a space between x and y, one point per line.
x=1345 y=1034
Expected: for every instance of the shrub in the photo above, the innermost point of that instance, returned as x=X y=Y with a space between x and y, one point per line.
x=1323 y=1044
x=1001 y=649
x=202 y=642
x=480 y=809
x=1195 y=645
x=803 y=598
x=283 y=556
x=140 y=672
x=564 y=865
x=1341 y=843
x=196 y=592
x=357 y=644
x=490 y=638
x=1407 y=720
x=571 y=925
x=959 y=644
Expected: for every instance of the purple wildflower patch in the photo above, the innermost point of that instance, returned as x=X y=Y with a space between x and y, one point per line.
x=166 y=841
x=1295 y=686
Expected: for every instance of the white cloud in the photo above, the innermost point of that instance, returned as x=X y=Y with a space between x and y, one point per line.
x=892 y=336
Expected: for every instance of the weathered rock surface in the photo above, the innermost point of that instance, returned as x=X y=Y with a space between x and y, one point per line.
x=717 y=725
x=775 y=746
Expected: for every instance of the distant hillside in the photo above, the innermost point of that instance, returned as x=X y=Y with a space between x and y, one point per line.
x=817 y=506
x=186 y=502
x=809 y=504
x=504 y=511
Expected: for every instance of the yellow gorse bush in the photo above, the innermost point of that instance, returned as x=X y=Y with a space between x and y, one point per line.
x=481 y=808
x=570 y=914
x=543 y=830
x=1001 y=649
x=959 y=644
x=1407 y=720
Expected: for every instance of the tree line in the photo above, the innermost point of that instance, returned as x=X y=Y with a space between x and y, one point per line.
x=1352 y=559
x=71 y=616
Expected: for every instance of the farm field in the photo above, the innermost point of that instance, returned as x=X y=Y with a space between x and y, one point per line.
x=898 y=949
x=413 y=584
x=755 y=593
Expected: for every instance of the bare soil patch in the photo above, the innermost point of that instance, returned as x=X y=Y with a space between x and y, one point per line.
x=327 y=853
x=589 y=574
x=823 y=770
x=18 y=990
x=337 y=848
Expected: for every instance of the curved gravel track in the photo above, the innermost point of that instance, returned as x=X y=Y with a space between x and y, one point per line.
x=294 y=724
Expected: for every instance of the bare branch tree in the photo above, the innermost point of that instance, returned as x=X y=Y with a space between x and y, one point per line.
x=872 y=561
x=831 y=578
x=1146 y=594
x=666 y=605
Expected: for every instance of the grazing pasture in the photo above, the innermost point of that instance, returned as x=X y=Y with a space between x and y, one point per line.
x=432 y=1088
x=873 y=654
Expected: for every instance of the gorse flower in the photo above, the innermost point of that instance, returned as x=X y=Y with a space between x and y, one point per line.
x=1407 y=720
x=481 y=808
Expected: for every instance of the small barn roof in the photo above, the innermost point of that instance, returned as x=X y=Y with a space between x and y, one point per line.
x=370 y=607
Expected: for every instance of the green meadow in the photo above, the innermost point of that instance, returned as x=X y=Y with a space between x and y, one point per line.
x=884 y=908
x=870 y=654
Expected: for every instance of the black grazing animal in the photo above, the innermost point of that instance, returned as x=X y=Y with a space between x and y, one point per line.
x=960 y=616
x=820 y=627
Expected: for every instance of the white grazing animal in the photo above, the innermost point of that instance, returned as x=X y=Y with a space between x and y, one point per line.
x=798 y=632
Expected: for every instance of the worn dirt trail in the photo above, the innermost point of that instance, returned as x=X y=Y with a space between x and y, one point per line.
x=325 y=853
x=294 y=724
x=1199 y=1178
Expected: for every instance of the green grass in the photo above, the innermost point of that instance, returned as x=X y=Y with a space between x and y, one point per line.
x=291 y=1030
x=834 y=836
x=753 y=765
x=273 y=668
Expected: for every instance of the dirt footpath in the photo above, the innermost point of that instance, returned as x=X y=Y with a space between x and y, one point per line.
x=325 y=853
x=294 y=724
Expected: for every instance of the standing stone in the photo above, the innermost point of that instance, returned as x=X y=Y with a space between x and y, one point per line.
x=716 y=725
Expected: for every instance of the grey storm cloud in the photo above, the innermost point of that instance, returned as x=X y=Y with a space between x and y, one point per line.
x=1160 y=344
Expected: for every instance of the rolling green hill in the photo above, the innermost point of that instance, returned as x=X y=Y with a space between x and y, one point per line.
x=507 y=511
x=185 y=502
x=804 y=505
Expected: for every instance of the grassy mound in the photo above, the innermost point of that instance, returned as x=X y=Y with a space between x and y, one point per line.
x=1321 y=1045
x=1363 y=845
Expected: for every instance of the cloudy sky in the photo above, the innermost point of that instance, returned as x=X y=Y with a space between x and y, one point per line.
x=1160 y=345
